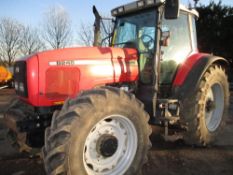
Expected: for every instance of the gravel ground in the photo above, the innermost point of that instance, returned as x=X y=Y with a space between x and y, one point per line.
x=164 y=158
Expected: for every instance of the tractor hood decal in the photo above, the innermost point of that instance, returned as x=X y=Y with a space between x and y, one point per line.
x=76 y=62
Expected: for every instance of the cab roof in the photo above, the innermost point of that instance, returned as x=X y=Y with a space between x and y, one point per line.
x=145 y=4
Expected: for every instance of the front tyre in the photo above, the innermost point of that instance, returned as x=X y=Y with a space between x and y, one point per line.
x=103 y=131
x=20 y=140
x=207 y=109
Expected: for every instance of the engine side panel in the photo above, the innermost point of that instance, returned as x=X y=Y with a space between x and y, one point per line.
x=53 y=76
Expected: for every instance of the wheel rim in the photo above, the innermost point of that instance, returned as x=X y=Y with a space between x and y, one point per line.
x=214 y=107
x=110 y=147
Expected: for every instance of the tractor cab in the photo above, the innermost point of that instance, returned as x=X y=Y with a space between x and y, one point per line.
x=164 y=36
x=145 y=26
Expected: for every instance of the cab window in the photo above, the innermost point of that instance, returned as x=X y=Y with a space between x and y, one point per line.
x=180 y=46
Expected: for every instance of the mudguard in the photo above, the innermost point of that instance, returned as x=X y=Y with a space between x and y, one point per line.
x=187 y=82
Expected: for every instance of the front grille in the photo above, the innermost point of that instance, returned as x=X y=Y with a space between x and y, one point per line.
x=61 y=82
x=20 y=78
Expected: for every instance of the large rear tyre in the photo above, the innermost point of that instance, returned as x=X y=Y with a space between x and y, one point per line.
x=103 y=131
x=206 y=109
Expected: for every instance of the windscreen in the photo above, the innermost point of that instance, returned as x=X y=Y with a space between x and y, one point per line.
x=138 y=31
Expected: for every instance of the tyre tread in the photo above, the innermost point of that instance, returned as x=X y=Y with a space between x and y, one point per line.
x=62 y=123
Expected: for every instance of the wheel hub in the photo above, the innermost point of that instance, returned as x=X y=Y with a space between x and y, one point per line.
x=110 y=147
x=210 y=105
x=214 y=107
x=107 y=145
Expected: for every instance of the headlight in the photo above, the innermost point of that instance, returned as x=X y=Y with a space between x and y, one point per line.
x=140 y=3
x=121 y=10
x=21 y=87
x=151 y=2
x=16 y=86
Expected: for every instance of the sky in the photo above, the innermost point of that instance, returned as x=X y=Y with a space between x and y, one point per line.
x=31 y=12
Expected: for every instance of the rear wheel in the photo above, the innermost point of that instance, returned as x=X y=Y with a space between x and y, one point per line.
x=104 y=131
x=207 y=109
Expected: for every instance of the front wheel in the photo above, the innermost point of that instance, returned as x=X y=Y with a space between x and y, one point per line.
x=104 y=132
x=20 y=140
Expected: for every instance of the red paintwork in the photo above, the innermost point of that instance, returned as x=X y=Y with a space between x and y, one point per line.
x=186 y=67
x=96 y=66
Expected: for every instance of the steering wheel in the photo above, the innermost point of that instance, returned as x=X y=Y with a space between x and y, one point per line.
x=147 y=41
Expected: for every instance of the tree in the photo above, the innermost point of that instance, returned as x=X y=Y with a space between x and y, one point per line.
x=106 y=31
x=214 y=30
x=57 y=27
x=195 y=2
x=30 y=41
x=86 y=33
x=10 y=35
x=210 y=26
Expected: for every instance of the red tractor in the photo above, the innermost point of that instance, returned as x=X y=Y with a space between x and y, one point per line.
x=96 y=102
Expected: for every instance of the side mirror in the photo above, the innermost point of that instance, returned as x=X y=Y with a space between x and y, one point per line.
x=172 y=9
x=165 y=38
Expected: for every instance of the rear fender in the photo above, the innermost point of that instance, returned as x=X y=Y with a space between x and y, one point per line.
x=192 y=78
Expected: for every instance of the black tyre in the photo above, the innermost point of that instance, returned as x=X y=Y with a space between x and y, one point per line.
x=102 y=131
x=17 y=139
x=206 y=109
x=11 y=84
